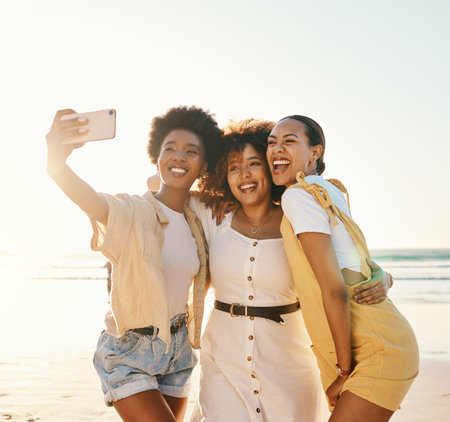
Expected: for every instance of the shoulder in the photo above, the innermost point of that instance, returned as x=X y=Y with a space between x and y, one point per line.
x=296 y=195
x=199 y=208
x=319 y=180
x=126 y=198
x=330 y=187
x=336 y=194
x=137 y=207
x=303 y=211
x=298 y=200
x=204 y=214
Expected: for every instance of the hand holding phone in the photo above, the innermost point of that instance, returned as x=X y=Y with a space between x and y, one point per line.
x=100 y=125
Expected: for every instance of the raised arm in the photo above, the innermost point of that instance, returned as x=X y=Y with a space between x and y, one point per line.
x=73 y=186
x=320 y=253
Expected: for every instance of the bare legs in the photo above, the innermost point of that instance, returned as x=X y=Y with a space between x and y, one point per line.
x=177 y=406
x=351 y=408
x=151 y=406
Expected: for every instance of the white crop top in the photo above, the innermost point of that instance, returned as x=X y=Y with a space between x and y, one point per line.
x=180 y=260
x=306 y=215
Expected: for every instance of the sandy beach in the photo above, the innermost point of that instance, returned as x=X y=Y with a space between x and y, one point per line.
x=46 y=371
x=68 y=390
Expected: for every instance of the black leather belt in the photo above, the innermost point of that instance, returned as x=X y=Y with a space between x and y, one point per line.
x=148 y=331
x=270 y=312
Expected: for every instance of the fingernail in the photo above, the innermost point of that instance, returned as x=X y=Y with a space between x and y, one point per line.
x=359 y=301
x=83 y=130
x=82 y=120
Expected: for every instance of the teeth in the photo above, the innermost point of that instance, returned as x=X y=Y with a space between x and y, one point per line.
x=280 y=162
x=178 y=170
x=247 y=186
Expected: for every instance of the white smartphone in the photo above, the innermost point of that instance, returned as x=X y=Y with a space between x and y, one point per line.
x=102 y=125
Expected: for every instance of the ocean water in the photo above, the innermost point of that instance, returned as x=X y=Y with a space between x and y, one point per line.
x=422 y=293
x=422 y=275
x=54 y=306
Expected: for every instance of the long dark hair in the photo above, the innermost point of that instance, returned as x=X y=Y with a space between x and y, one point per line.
x=315 y=135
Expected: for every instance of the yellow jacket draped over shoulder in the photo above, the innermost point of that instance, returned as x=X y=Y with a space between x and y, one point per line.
x=384 y=348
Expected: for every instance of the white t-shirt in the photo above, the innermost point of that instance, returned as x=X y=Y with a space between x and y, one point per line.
x=180 y=260
x=306 y=215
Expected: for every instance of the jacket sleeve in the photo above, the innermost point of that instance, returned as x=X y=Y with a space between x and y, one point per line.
x=111 y=239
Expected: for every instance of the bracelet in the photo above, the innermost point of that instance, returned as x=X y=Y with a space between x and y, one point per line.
x=341 y=372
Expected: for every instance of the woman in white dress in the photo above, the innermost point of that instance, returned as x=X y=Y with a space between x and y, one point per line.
x=253 y=368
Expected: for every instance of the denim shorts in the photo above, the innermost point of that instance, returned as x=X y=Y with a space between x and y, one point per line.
x=137 y=362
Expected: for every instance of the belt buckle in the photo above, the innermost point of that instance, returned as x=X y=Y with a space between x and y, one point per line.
x=232 y=309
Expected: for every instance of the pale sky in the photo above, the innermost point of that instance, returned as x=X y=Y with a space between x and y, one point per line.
x=375 y=75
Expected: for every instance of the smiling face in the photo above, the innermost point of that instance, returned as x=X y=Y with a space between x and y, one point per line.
x=181 y=159
x=289 y=151
x=248 y=176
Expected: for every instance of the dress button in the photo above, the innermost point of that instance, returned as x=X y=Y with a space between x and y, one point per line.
x=252 y=258
x=249 y=278
x=250 y=337
x=258 y=410
x=253 y=376
x=250 y=297
x=249 y=358
x=252 y=318
x=255 y=391
x=255 y=243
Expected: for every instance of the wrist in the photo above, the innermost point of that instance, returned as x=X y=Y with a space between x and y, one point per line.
x=343 y=373
x=55 y=168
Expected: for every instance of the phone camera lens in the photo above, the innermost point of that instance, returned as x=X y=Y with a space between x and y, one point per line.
x=111 y=112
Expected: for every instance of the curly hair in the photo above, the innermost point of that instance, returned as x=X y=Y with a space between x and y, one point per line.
x=194 y=119
x=237 y=135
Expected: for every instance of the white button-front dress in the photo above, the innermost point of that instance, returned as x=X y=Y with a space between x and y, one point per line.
x=254 y=369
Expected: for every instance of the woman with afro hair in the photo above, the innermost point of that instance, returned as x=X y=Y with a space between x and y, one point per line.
x=156 y=246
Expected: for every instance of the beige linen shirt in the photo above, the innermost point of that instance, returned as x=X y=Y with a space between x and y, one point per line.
x=132 y=240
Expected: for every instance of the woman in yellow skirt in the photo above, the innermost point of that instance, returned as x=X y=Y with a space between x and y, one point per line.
x=367 y=355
